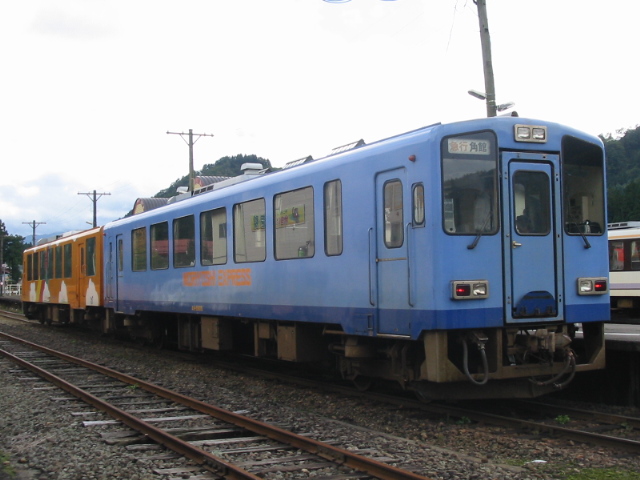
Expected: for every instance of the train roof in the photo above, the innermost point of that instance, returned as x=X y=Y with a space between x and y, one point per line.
x=64 y=237
x=357 y=150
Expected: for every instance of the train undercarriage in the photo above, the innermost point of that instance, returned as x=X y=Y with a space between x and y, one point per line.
x=522 y=361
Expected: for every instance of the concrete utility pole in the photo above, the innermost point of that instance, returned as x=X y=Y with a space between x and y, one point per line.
x=33 y=225
x=190 y=143
x=485 y=40
x=96 y=197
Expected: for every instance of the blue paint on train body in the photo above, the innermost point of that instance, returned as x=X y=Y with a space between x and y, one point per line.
x=379 y=285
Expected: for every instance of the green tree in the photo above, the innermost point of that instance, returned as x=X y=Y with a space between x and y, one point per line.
x=623 y=175
x=12 y=248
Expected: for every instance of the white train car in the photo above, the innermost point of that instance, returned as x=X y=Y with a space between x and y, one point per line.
x=624 y=271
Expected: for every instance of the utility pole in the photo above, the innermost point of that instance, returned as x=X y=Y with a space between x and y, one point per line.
x=485 y=40
x=33 y=225
x=190 y=143
x=96 y=197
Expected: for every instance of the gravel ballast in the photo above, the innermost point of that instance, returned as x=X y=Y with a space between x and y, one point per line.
x=44 y=441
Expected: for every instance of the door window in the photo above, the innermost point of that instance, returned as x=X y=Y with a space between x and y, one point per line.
x=393 y=230
x=531 y=203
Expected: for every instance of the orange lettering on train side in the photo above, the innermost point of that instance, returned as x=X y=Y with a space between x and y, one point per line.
x=237 y=277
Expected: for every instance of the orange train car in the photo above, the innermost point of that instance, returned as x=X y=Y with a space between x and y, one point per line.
x=63 y=278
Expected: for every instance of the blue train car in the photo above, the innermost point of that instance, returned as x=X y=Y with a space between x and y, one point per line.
x=455 y=259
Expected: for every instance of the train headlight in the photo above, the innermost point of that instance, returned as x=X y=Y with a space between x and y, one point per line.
x=593 y=286
x=530 y=133
x=470 y=289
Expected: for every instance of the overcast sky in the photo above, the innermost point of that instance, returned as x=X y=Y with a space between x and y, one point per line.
x=89 y=88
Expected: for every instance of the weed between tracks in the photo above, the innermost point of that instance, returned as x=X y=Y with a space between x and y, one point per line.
x=6 y=470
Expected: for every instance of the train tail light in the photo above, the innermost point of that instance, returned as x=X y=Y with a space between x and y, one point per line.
x=470 y=289
x=593 y=286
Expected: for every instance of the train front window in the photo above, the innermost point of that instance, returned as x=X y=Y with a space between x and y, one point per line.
x=469 y=169
x=583 y=187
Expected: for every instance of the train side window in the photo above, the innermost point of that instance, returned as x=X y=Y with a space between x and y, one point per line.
x=43 y=265
x=67 y=261
x=213 y=237
x=418 y=205
x=49 y=257
x=29 y=272
x=294 y=224
x=36 y=266
x=333 y=218
x=160 y=246
x=58 y=269
x=139 y=249
x=91 y=256
x=393 y=214
x=616 y=256
x=635 y=254
x=249 y=229
x=184 y=242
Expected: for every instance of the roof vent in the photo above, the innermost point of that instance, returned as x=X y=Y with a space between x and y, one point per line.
x=300 y=161
x=348 y=146
x=251 y=168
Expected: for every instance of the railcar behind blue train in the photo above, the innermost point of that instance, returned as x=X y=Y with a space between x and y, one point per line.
x=455 y=259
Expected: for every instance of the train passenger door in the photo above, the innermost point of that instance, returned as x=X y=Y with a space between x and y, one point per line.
x=392 y=264
x=533 y=282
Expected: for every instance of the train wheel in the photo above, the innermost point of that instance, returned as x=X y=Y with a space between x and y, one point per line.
x=362 y=383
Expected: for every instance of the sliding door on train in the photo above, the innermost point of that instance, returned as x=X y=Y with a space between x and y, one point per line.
x=392 y=294
x=531 y=219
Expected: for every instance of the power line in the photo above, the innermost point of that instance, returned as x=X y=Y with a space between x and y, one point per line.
x=33 y=225
x=96 y=197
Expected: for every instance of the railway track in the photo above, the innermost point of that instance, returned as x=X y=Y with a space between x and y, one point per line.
x=196 y=428
x=544 y=418
x=586 y=426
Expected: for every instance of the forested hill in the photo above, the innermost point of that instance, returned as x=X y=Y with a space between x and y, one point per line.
x=623 y=174
x=226 y=167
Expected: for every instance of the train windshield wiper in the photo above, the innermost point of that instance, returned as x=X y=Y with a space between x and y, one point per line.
x=584 y=237
x=475 y=241
x=480 y=231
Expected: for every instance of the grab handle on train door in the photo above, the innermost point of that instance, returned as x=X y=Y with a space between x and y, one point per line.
x=409 y=299
x=515 y=244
